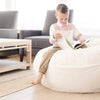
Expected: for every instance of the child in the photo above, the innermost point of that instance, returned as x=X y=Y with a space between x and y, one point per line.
x=57 y=31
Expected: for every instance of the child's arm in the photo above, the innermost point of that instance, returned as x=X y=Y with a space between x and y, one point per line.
x=81 y=38
x=52 y=40
x=54 y=35
x=78 y=35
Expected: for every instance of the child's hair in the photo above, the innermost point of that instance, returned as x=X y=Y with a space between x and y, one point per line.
x=62 y=8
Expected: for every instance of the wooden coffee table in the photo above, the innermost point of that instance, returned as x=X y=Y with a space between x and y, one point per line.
x=10 y=44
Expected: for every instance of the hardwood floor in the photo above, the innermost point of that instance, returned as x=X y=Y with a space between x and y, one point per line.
x=39 y=92
x=26 y=94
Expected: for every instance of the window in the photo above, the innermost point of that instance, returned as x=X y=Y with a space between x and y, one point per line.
x=32 y=12
x=2 y=5
x=87 y=15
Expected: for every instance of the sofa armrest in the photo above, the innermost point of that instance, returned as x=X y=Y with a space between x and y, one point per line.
x=28 y=33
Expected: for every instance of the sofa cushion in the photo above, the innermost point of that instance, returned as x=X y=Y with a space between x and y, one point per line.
x=39 y=41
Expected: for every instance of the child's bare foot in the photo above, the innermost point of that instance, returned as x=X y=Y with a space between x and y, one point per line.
x=38 y=80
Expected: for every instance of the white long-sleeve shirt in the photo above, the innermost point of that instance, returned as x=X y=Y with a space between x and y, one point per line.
x=69 y=31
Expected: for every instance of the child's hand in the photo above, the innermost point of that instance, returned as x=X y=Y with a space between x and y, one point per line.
x=82 y=39
x=57 y=35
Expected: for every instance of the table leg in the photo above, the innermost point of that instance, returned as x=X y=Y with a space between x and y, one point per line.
x=29 y=56
x=21 y=54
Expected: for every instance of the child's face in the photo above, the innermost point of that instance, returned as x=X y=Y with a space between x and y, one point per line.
x=62 y=17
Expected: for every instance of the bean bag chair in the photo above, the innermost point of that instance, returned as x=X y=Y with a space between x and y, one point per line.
x=72 y=70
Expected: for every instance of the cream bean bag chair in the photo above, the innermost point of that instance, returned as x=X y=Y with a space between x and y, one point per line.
x=72 y=70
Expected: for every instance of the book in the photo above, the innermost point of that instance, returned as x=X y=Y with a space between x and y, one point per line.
x=77 y=45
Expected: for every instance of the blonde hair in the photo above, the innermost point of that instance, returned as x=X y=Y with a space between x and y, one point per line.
x=62 y=8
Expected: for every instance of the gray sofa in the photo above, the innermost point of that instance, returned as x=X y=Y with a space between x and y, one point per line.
x=40 y=38
x=8 y=25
